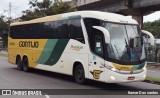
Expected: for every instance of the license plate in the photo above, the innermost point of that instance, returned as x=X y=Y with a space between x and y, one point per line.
x=131 y=78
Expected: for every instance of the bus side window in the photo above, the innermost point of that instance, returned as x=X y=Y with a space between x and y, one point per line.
x=65 y=33
x=95 y=37
x=58 y=25
x=48 y=30
x=75 y=30
x=98 y=44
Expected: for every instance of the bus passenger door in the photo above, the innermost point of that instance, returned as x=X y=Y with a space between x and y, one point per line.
x=96 y=61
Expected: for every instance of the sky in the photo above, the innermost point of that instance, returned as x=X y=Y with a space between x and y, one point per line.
x=17 y=6
x=20 y=5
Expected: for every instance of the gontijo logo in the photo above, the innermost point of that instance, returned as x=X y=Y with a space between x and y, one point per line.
x=96 y=73
x=30 y=44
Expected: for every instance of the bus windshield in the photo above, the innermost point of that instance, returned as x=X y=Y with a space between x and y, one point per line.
x=126 y=43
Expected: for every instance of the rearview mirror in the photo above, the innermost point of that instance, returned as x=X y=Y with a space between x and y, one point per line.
x=150 y=35
x=105 y=32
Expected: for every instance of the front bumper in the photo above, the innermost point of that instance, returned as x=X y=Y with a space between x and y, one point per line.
x=115 y=77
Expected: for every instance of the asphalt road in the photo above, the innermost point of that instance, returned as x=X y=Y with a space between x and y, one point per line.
x=11 y=78
x=3 y=52
x=155 y=72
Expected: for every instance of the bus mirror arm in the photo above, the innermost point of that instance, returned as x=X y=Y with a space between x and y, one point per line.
x=105 y=32
x=151 y=37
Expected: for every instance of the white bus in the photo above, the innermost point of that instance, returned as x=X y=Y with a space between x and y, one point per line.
x=93 y=45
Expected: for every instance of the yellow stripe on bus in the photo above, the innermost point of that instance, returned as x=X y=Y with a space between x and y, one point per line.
x=122 y=67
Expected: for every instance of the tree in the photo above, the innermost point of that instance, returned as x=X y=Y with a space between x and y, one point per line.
x=39 y=9
x=62 y=7
x=45 y=4
x=46 y=8
x=153 y=27
x=4 y=28
x=3 y=24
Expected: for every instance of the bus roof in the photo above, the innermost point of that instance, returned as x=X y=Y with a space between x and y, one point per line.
x=112 y=17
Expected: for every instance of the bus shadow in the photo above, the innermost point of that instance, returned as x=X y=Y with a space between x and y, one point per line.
x=91 y=83
x=109 y=86
x=49 y=74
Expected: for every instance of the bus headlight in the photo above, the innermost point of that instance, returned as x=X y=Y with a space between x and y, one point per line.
x=112 y=78
x=144 y=76
x=113 y=69
x=110 y=68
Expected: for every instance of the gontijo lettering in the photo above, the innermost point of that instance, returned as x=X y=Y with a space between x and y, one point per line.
x=31 y=44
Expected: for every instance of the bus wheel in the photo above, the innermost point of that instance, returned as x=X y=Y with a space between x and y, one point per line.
x=19 y=64
x=79 y=74
x=25 y=64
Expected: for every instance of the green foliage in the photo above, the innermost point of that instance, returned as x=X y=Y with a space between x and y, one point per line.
x=4 y=28
x=45 y=4
x=45 y=8
x=62 y=7
x=4 y=55
x=153 y=79
x=153 y=27
x=3 y=24
x=37 y=9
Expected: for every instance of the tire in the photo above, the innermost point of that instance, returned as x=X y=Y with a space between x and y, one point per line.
x=79 y=74
x=25 y=64
x=19 y=63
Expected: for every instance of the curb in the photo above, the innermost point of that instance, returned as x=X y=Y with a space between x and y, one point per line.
x=3 y=54
x=152 y=82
